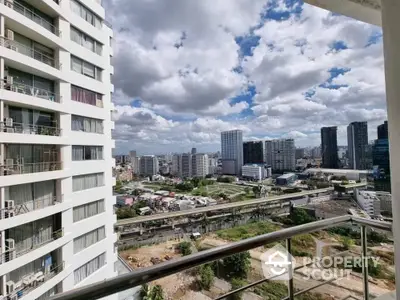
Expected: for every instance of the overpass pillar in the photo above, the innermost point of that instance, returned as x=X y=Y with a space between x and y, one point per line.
x=391 y=49
x=141 y=228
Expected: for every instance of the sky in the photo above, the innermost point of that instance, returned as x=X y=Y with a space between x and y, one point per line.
x=185 y=70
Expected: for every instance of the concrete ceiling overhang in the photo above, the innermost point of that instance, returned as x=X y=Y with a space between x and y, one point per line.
x=368 y=11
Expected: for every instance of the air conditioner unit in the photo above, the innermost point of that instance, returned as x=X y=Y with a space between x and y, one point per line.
x=10 y=286
x=9 y=162
x=9 y=122
x=9 y=3
x=10 y=244
x=14 y=48
x=10 y=130
x=9 y=204
x=10 y=34
x=9 y=214
x=9 y=80
x=13 y=297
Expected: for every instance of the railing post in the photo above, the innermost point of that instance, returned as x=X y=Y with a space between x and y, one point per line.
x=290 y=270
x=364 y=261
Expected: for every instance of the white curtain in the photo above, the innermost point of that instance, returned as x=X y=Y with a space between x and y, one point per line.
x=76 y=64
x=76 y=36
x=77 y=153
x=88 y=210
x=21 y=193
x=75 y=7
x=44 y=194
x=89 y=69
x=87 y=269
x=84 y=182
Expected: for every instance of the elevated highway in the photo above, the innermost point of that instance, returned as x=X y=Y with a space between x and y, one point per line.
x=174 y=214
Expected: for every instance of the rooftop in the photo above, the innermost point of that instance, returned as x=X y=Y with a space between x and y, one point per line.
x=336 y=171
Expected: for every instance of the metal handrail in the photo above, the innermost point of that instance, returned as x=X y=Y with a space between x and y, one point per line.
x=30 y=90
x=30 y=129
x=28 y=168
x=122 y=282
x=28 y=51
x=33 y=16
x=29 y=206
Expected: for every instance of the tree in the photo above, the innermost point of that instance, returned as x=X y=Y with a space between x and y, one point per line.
x=144 y=291
x=185 y=248
x=125 y=212
x=257 y=191
x=237 y=283
x=156 y=293
x=204 y=194
x=236 y=265
x=300 y=216
x=196 y=181
x=223 y=196
x=184 y=186
x=247 y=190
x=225 y=179
x=347 y=242
x=206 y=277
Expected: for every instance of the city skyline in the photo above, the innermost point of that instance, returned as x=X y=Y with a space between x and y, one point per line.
x=197 y=80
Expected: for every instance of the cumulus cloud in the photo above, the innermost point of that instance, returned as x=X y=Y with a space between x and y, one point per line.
x=183 y=61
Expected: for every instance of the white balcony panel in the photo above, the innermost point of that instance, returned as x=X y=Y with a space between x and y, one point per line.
x=31 y=101
x=87 y=110
x=89 y=224
x=32 y=177
x=21 y=138
x=112 y=125
x=28 y=27
x=89 y=56
x=87 y=138
x=87 y=82
x=30 y=65
x=34 y=255
x=94 y=6
x=33 y=215
x=88 y=166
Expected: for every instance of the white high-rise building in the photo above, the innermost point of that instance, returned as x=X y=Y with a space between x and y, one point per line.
x=232 y=152
x=148 y=165
x=56 y=203
x=199 y=165
x=280 y=154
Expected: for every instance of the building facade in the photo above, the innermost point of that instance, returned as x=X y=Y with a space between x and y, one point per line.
x=253 y=152
x=185 y=170
x=383 y=132
x=280 y=154
x=300 y=153
x=329 y=147
x=148 y=165
x=56 y=202
x=381 y=160
x=253 y=172
x=232 y=152
x=357 y=144
x=200 y=165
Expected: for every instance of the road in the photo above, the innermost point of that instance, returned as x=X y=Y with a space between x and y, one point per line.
x=174 y=214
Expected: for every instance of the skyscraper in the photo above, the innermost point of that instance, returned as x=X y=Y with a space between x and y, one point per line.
x=383 y=132
x=56 y=202
x=329 y=147
x=194 y=150
x=199 y=165
x=357 y=143
x=281 y=154
x=232 y=152
x=148 y=165
x=253 y=152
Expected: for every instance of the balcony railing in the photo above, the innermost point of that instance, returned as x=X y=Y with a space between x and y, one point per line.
x=29 y=206
x=37 y=242
x=28 y=51
x=16 y=169
x=31 y=91
x=30 y=129
x=31 y=15
x=32 y=281
x=145 y=275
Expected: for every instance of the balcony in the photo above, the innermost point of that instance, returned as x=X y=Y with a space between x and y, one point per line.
x=28 y=168
x=145 y=275
x=36 y=241
x=25 y=11
x=25 y=50
x=30 y=129
x=15 y=210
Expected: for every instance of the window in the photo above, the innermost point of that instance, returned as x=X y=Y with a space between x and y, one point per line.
x=86 y=96
x=85 y=14
x=87 y=153
x=86 y=41
x=89 y=268
x=86 y=240
x=88 y=210
x=80 y=66
x=84 y=124
x=85 y=182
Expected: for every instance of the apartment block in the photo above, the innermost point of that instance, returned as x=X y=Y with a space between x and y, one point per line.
x=56 y=203
x=199 y=165
x=280 y=154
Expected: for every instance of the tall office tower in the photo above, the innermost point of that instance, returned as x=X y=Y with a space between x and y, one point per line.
x=300 y=153
x=194 y=151
x=199 y=165
x=383 y=132
x=316 y=152
x=268 y=153
x=132 y=155
x=253 y=152
x=175 y=167
x=329 y=147
x=56 y=202
x=357 y=143
x=148 y=165
x=281 y=154
x=232 y=152
x=185 y=165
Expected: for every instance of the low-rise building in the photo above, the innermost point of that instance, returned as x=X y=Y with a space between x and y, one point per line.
x=374 y=203
x=286 y=179
x=254 y=172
